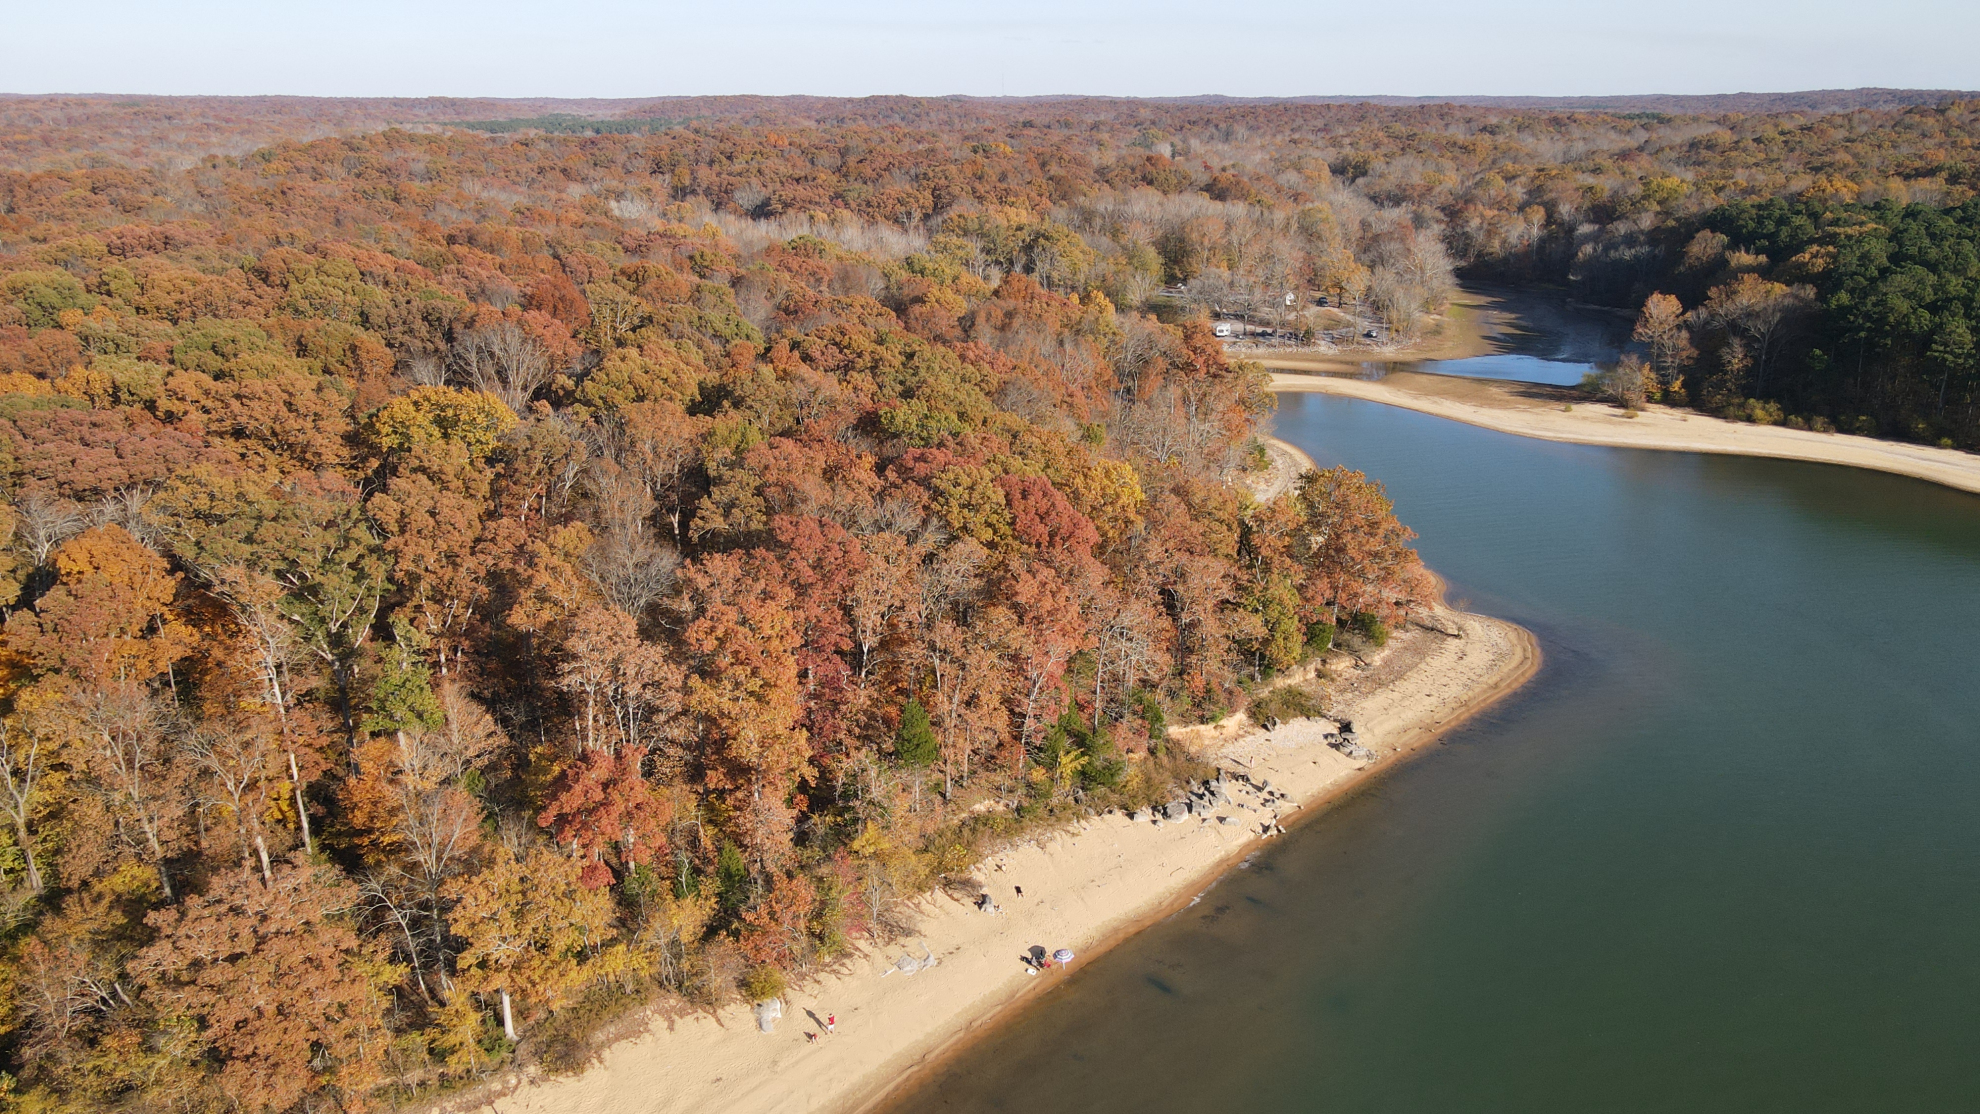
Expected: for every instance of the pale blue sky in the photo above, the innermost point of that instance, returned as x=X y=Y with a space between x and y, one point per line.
x=622 y=48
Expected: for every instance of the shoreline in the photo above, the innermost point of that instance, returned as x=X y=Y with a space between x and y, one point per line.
x=1090 y=887
x=1535 y=410
x=1411 y=746
x=1289 y=461
x=1480 y=320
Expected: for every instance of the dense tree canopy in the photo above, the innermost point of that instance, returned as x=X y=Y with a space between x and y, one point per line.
x=443 y=596
x=1828 y=313
x=454 y=578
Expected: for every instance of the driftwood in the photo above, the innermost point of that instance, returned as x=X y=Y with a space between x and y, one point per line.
x=1432 y=621
x=910 y=965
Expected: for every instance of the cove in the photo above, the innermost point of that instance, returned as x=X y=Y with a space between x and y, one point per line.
x=1722 y=854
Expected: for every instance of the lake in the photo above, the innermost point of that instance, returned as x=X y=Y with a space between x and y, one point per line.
x=1516 y=366
x=1721 y=854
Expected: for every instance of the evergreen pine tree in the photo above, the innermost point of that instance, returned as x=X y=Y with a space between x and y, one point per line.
x=403 y=698
x=914 y=743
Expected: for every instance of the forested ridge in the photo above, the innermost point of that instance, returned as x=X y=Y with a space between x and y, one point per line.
x=1369 y=205
x=447 y=606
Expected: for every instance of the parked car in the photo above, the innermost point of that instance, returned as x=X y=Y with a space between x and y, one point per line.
x=1223 y=329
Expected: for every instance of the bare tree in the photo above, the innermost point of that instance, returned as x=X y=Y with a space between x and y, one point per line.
x=1209 y=292
x=426 y=371
x=467 y=734
x=1125 y=650
x=502 y=360
x=132 y=761
x=631 y=569
x=46 y=523
x=656 y=444
x=435 y=830
x=628 y=564
x=254 y=599
x=1627 y=383
x=1142 y=346
x=390 y=899
x=20 y=772
x=242 y=767
x=128 y=507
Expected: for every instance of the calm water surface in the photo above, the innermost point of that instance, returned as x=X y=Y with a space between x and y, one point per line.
x=1544 y=340
x=1515 y=366
x=1723 y=854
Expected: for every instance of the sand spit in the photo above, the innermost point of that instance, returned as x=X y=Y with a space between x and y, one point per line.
x=1531 y=410
x=1288 y=462
x=1083 y=889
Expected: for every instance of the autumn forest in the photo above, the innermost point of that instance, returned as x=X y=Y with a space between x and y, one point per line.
x=463 y=584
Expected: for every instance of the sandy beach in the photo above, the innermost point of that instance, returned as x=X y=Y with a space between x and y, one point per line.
x=1084 y=889
x=1531 y=410
x=1288 y=461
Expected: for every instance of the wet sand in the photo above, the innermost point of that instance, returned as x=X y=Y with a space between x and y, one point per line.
x=1563 y=414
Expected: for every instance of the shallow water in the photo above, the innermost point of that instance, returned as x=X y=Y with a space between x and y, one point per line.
x=1514 y=366
x=1542 y=339
x=1722 y=854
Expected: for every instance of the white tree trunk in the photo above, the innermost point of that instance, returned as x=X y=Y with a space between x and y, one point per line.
x=302 y=807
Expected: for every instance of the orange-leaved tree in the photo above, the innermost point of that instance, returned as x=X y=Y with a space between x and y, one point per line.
x=744 y=697
x=278 y=984
x=1354 y=553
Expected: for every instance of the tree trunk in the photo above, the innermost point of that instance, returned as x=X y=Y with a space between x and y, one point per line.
x=1030 y=720
x=340 y=673
x=1099 y=670
x=302 y=807
x=27 y=856
x=33 y=872
x=508 y=1019
x=412 y=954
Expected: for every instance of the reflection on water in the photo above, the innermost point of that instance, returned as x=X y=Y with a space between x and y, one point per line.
x=1722 y=855
x=1504 y=365
x=1541 y=338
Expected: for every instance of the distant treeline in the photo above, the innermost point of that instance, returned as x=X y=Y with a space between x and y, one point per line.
x=564 y=123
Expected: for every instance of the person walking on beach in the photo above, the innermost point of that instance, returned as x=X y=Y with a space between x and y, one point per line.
x=831 y=1023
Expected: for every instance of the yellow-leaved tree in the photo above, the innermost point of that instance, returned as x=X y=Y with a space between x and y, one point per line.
x=535 y=933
